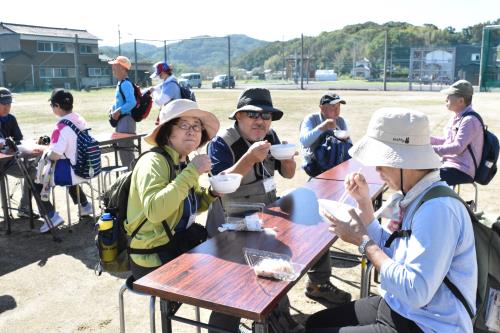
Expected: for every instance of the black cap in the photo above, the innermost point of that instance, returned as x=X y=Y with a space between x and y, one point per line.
x=331 y=98
x=61 y=97
x=5 y=96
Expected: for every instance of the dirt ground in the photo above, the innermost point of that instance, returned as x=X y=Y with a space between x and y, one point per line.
x=48 y=286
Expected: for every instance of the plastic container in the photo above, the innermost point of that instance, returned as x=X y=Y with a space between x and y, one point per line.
x=227 y=183
x=337 y=209
x=284 y=151
x=107 y=242
x=272 y=265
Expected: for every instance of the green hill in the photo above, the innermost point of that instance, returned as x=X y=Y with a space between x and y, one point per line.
x=337 y=49
x=200 y=54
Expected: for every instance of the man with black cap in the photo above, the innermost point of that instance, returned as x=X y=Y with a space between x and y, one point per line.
x=9 y=128
x=315 y=128
x=324 y=136
x=462 y=145
x=244 y=149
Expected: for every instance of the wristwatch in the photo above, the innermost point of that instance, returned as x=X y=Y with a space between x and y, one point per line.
x=362 y=246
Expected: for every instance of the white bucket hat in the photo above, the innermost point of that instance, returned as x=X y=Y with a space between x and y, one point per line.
x=398 y=138
x=187 y=108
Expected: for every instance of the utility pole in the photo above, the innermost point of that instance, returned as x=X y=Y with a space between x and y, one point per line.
x=228 y=61
x=301 y=61
x=119 y=42
x=2 y=83
x=353 y=57
x=385 y=61
x=135 y=59
x=283 y=73
x=77 y=60
x=164 y=50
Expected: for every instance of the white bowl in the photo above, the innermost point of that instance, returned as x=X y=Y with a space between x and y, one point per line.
x=284 y=151
x=341 y=134
x=337 y=209
x=227 y=183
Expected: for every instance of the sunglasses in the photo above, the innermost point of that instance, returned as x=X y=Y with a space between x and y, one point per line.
x=256 y=115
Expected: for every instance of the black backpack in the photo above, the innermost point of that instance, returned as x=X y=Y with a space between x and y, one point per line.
x=115 y=201
x=487 y=166
x=144 y=102
x=186 y=93
x=487 y=241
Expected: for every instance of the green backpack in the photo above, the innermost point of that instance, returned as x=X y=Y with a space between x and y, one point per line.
x=487 y=241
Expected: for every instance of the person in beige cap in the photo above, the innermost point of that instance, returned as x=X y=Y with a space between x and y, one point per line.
x=120 y=112
x=461 y=146
x=432 y=241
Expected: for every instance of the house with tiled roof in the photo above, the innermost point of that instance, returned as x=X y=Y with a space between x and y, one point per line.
x=37 y=58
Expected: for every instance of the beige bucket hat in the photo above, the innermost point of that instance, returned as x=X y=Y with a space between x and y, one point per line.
x=399 y=138
x=187 y=108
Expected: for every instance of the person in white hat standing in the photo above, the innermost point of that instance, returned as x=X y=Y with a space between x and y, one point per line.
x=120 y=111
x=168 y=89
x=419 y=248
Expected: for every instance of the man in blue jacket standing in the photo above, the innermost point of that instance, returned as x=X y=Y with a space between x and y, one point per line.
x=121 y=110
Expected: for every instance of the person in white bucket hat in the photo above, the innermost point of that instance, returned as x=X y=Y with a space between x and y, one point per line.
x=421 y=246
x=164 y=189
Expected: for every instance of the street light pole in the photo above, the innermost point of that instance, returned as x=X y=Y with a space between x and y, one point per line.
x=119 y=41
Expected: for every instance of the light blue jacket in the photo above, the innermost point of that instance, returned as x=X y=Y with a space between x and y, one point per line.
x=441 y=244
x=129 y=102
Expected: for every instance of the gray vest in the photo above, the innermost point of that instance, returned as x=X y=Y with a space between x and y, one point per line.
x=251 y=189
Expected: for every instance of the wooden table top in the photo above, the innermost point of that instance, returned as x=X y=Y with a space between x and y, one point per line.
x=340 y=171
x=215 y=275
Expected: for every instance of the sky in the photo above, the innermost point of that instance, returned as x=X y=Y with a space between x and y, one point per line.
x=261 y=19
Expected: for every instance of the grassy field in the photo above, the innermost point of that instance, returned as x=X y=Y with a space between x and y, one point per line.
x=36 y=118
x=51 y=287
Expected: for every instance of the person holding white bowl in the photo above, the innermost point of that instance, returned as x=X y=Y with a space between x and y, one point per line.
x=324 y=136
x=244 y=149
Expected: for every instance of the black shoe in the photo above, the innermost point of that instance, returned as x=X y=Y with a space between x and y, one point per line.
x=327 y=292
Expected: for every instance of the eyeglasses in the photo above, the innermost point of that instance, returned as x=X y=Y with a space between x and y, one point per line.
x=256 y=115
x=186 y=127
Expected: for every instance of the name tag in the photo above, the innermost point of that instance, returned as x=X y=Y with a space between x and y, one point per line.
x=191 y=220
x=269 y=184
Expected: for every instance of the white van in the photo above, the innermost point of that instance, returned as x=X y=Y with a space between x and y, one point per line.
x=190 y=80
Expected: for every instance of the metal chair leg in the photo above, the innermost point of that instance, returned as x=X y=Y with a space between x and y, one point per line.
x=152 y=326
x=67 y=207
x=197 y=315
x=122 y=310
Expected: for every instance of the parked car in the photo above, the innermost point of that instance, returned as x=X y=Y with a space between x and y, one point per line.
x=190 y=80
x=222 y=81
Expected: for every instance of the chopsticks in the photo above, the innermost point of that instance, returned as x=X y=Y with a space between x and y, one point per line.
x=344 y=195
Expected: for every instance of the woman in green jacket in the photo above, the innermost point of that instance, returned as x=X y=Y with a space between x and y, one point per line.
x=168 y=203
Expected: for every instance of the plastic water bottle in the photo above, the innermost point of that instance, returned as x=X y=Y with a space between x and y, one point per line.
x=107 y=242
